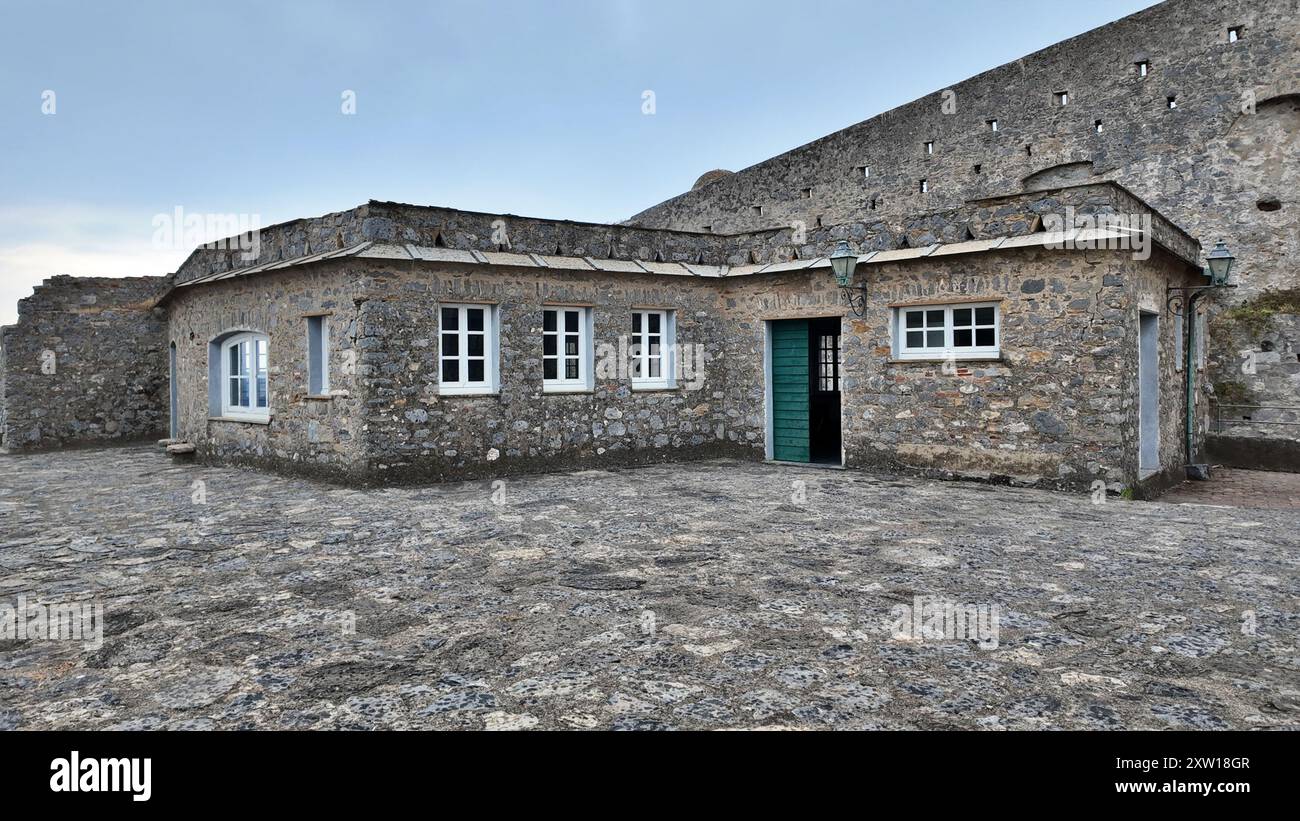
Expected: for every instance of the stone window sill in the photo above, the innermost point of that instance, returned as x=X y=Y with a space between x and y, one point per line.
x=940 y=360
x=240 y=420
x=326 y=397
x=562 y=391
x=655 y=388
x=452 y=393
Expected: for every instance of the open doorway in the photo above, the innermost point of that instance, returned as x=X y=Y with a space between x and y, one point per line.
x=173 y=424
x=1148 y=393
x=803 y=366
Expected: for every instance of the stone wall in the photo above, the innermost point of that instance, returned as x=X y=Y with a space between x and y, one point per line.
x=472 y=230
x=86 y=363
x=413 y=432
x=313 y=436
x=1059 y=409
x=1225 y=163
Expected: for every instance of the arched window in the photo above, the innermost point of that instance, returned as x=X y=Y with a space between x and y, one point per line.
x=244 y=388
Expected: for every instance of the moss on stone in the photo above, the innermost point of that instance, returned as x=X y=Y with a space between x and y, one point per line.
x=1232 y=392
x=1255 y=316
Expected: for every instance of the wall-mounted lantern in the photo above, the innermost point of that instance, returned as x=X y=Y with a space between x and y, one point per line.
x=843 y=262
x=1219 y=264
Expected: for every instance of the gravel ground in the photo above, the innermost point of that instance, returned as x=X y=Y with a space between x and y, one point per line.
x=691 y=596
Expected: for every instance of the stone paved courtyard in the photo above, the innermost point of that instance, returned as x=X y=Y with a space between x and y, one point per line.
x=698 y=596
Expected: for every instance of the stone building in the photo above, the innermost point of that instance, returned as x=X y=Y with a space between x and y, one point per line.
x=1009 y=317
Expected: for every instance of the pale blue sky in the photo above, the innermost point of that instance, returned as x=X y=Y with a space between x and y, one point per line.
x=523 y=107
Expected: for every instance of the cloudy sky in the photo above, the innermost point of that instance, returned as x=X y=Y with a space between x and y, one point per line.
x=530 y=108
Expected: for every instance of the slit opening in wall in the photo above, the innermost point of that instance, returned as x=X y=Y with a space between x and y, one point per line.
x=438 y=241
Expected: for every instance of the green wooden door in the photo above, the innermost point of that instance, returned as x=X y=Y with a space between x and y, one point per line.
x=790 y=390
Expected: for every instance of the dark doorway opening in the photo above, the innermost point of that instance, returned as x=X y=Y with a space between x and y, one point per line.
x=805 y=368
x=824 y=390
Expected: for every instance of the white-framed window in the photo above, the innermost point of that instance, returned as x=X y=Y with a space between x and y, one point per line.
x=566 y=349
x=963 y=331
x=245 y=390
x=467 y=349
x=653 y=348
x=318 y=364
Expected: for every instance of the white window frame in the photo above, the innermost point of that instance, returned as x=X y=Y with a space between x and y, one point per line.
x=237 y=410
x=948 y=350
x=640 y=353
x=561 y=384
x=324 y=364
x=463 y=386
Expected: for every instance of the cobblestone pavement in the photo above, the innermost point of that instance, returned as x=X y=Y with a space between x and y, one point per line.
x=708 y=595
x=1241 y=488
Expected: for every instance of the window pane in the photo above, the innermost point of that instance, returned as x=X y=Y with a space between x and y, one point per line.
x=570 y=369
x=261 y=390
x=571 y=344
x=934 y=319
x=934 y=339
x=474 y=318
x=475 y=370
x=450 y=344
x=634 y=368
x=549 y=368
x=655 y=366
x=984 y=337
x=915 y=319
x=549 y=345
x=961 y=338
x=243 y=393
x=571 y=321
x=984 y=316
x=261 y=355
x=654 y=322
x=636 y=323
x=474 y=344
x=548 y=320
x=961 y=316
x=234 y=390
x=450 y=370
x=450 y=319
x=915 y=339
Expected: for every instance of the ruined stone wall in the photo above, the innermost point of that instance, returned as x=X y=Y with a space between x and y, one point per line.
x=309 y=435
x=1058 y=409
x=414 y=432
x=86 y=363
x=1225 y=163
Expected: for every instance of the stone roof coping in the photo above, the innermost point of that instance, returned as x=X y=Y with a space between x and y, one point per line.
x=1070 y=239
